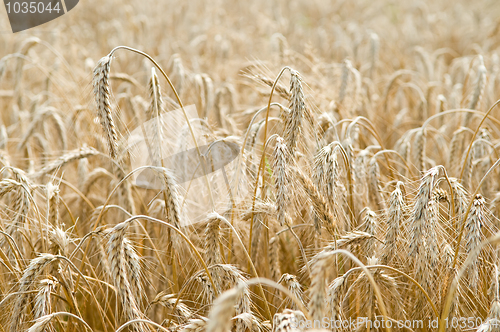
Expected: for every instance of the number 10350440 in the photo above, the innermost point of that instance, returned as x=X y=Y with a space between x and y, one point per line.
x=31 y=7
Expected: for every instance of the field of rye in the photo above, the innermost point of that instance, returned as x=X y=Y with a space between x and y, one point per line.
x=301 y=161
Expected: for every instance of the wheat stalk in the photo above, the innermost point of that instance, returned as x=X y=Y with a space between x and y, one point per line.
x=28 y=278
x=102 y=94
x=281 y=179
x=293 y=122
x=123 y=271
x=394 y=218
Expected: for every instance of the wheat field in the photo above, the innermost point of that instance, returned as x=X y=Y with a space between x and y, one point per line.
x=254 y=166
